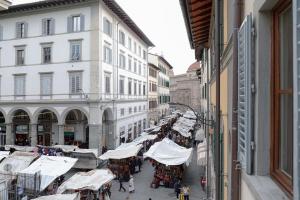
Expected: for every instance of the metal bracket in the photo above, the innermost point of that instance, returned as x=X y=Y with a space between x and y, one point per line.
x=252 y=145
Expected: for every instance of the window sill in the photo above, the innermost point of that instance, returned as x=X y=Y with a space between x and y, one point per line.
x=263 y=188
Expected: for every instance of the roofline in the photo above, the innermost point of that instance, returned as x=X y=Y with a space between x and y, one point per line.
x=111 y=4
x=184 y=7
x=163 y=59
x=154 y=66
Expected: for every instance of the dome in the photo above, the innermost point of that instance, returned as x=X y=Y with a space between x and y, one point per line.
x=194 y=66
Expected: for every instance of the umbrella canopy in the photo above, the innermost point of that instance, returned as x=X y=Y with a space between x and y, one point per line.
x=92 y=180
x=169 y=153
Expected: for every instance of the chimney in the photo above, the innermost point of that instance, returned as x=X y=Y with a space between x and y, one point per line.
x=4 y=4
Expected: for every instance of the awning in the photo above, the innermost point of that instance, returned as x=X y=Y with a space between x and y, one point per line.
x=74 y=196
x=20 y=148
x=126 y=150
x=144 y=137
x=169 y=153
x=66 y=148
x=92 y=180
x=201 y=153
x=49 y=168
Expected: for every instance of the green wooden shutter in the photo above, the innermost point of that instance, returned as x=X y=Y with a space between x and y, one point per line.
x=296 y=88
x=245 y=95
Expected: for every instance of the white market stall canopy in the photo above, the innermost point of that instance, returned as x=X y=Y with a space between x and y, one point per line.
x=185 y=132
x=126 y=150
x=3 y=154
x=92 y=180
x=16 y=162
x=201 y=153
x=169 y=153
x=66 y=148
x=144 y=137
x=74 y=196
x=190 y=115
x=49 y=168
x=20 y=148
x=200 y=135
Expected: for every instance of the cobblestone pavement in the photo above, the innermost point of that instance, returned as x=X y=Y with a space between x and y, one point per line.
x=143 y=179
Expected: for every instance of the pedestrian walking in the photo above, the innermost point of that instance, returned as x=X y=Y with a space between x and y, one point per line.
x=131 y=184
x=186 y=192
x=177 y=187
x=121 y=183
x=139 y=164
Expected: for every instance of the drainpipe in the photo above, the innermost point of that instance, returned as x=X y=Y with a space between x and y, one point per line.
x=207 y=130
x=235 y=169
x=217 y=71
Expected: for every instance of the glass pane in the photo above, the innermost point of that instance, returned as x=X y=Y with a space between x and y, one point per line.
x=286 y=50
x=286 y=134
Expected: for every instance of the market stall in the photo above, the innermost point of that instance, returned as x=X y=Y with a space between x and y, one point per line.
x=94 y=184
x=74 y=196
x=20 y=148
x=169 y=160
x=123 y=160
x=48 y=168
x=3 y=154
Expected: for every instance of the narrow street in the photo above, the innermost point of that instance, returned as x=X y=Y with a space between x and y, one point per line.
x=144 y=192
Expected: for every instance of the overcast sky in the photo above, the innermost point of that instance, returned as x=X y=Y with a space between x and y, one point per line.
x=162 y=22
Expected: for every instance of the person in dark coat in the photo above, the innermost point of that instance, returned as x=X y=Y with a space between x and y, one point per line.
x=177 y=187
x=121 y=180
x=139 y=161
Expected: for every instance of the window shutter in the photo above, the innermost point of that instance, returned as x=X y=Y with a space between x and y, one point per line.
x=52 y=26
x=78 y=84
x=18 y=30
x=82 y=23
x=73 y=84
x=244 y=94
x=25 y=29
x=69 y=26
x=44 y=26
x=296 y=88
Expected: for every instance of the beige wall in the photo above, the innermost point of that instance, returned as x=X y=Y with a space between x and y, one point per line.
x=223 y=107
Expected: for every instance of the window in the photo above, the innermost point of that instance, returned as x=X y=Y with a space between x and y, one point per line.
x=20 y=85
x=282 y=108
x=48 y=26
x=122 y=111
x=46 y=53
x=135 y=109
x=129 y=87
x=140 y=108
x=107 y=27
x=129 y=44
x=121 y=85
x=152 y=72
x=46 y=84
x=1 y=32
x=20 y=55
x=75 y=50
x=144 y=55
x=144 y=70
x=140 y=51
x=122 y=60
x=75 y=82
x=76 y=23
x=122 y=37
x=140 y=68
x=107 y=54
x=140 y=88
x=144 y=107
x=107 y=82
x=135 y=65
x=21 y=29
x=130 y=110
x=129 y=62
x=135 y=87
x=144 y=89
x=134 y=47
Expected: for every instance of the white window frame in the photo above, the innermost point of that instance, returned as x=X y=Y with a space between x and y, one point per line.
x=42 y=76
x=78 y=86
x=73 y=56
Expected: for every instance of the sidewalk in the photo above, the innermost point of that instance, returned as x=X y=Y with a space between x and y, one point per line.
x=143 y=179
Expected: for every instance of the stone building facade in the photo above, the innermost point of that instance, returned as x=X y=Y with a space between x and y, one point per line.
x=185 y=88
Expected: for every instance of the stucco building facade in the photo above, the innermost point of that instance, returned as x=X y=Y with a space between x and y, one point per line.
x=71 y=72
